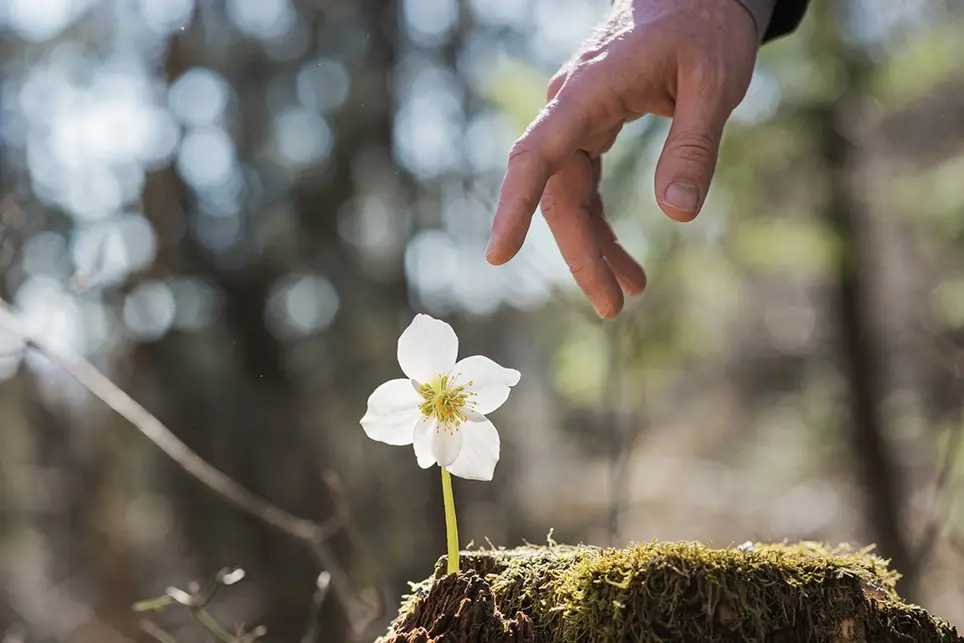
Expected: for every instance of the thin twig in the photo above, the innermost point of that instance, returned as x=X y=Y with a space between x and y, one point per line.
x=156 y=632
x=195 y=597
x=152 y=428
x=205 y=620
x=631 y=430
x=195 y=600
x=153 y=604
x=940 y=513
x=343 y=511
x=255 y=634
x=949 y=355
x=312 y=535
x=613 y=388
x=627 y=425
x=313 y=629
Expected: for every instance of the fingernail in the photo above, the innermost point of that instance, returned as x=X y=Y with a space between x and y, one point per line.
x=602 y=310
x=488 y=249
x=685 y=197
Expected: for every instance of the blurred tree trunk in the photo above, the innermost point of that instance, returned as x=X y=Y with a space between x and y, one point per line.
x=860 y=350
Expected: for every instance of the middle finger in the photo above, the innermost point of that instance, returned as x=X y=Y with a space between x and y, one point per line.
x=566 y=206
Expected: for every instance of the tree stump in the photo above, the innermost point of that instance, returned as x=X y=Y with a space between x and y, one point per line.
x=661 y=592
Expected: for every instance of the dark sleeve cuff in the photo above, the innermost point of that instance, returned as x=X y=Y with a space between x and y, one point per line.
x=786 y=17
x=775 y=18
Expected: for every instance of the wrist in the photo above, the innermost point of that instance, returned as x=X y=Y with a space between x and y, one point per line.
x=761 y=11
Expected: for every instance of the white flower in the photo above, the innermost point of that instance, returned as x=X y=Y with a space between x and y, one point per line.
x=441 y=407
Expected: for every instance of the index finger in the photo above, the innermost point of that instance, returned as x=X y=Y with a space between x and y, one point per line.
x=539 y=153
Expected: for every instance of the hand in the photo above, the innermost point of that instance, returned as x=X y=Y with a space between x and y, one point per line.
x=690 y=60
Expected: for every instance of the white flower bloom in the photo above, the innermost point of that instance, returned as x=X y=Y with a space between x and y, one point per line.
x=441 y=407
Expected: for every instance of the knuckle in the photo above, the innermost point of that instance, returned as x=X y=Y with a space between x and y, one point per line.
x=586 y=270
x=539 y=150
x=523 y=151
x=589 y=55
x=519 y=149
x=695 y=147
x=550 y=205
x=523 y=160
x=591 y=88
x=577 y=269
x=584 y=267
x=555 y=84
x=574 y=69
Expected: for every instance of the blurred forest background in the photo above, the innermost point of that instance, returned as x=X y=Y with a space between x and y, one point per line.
x=233 y=207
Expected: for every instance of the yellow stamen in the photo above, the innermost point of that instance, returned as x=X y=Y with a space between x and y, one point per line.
x=446 y=402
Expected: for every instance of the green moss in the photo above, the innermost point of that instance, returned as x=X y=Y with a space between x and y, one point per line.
x=688 y=592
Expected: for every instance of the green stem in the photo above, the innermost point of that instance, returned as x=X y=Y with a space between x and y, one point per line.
x=451 y=526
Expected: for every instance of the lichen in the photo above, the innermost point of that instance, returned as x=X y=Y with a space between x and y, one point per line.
x=658 y=592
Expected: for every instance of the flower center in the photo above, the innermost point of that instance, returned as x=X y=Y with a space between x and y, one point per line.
x=445 y=401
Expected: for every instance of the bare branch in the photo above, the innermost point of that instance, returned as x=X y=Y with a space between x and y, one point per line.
x=343 y=512
x=627 y=426
x=253 y=635
x=312 y=535
x=208 y=622
x=155 y=431
x=156 y=632
x=951 y=356
x=940 y=513
x=195 y=601
x=313 y=630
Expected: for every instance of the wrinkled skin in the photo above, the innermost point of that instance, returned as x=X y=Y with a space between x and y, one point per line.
x=689 y=60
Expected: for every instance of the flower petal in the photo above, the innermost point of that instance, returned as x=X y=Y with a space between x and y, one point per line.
x=392 y=413
x=447 y=444
x=472 y=415
x=397 y=429
x=479 y=454
x=427 y=348
x=425 y=435
x=393 y=396
x=424 y=423
x=490 y=382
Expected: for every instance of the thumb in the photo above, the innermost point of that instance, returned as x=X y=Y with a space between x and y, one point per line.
x=688 y=160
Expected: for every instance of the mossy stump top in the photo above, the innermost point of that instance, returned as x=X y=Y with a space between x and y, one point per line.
x=661 y=592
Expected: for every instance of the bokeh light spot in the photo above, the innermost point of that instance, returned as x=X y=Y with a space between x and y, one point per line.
x=430 y=22
x=206 y=157
x=149 y=310
x=199 y=96
x=166 y=16
x=322 y=84
x=301 y=137
x=300 y=305
x=261 y=18
x=39 y=20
